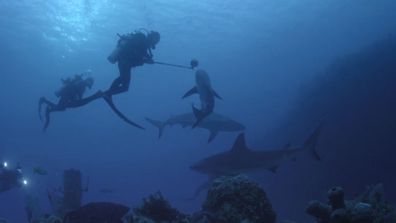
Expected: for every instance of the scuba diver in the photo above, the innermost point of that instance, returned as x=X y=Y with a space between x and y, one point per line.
x=132 y=50
x=11 y=178
x=72 y=91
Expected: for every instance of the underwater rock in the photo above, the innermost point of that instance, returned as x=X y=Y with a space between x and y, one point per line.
x=48 y=219
x=101 y=212
x=157 y=209
x=319 y=211
x=369 y=207
x=390 y=218
x=336 y=198
x=235 y=199
x=362 y=213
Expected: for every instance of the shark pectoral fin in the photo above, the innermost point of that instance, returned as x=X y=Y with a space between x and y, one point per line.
x=311 y=142
x=216 y=95
x=212 y=135
x=273 y=169
x=240 y=144
x=190 y=92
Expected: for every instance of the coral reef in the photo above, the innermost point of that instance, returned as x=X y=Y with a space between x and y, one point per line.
x=156 y=208
x=369 y=207
x=48 y=219
x=101 y=212
x=235 y=199
x=231 y=199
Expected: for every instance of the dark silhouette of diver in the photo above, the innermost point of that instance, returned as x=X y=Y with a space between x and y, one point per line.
x=69 y=94
x=132 y=50
x=11 y=178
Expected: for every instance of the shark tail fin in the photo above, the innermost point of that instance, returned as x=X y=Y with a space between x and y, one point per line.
x=160 y=125
x=199 y=115
x=310 y=143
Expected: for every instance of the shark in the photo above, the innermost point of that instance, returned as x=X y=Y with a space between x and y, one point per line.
x=207 y=94
x=215 y=123
x=241 y=159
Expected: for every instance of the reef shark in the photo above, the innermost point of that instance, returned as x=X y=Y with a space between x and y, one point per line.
x=207 y=95
x=241 y=159
x=215 y=123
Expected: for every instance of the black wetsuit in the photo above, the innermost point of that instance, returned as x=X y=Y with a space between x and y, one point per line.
x=10 y=179
x=133 y=51
x=70 y=94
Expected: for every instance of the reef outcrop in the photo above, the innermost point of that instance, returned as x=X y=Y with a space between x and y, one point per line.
x=156 y=208
x=235 y=199
x=100 y=212
x=231 y=199
x=368 y=207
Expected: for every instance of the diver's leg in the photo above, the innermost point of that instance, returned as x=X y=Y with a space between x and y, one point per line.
x=47 y=118
x=48 y=111
x=43 y=101
x=121 y=83
x=84 y=101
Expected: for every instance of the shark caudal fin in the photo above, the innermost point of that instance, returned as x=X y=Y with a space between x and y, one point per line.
x=160 y=125
x=199 y=115
x=310 y=143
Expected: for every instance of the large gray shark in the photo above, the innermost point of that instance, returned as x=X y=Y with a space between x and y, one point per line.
x=241 y=159
x=207 y=95
x=215 y=123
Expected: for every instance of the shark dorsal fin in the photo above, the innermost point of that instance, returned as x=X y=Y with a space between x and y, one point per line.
x=287 y=146
x=240 y=144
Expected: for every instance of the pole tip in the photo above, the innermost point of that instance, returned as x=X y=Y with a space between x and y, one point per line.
x=194 y=63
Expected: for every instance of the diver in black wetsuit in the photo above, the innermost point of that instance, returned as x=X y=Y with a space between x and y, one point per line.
x=132 y=50
x=10 y=178
x=71 y=92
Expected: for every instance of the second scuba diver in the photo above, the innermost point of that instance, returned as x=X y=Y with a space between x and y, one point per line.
x=71 y=92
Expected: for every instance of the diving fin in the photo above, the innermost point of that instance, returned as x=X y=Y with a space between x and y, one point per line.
x=109 y=101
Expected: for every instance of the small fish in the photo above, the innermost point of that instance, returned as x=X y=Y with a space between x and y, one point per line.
x=40 y=171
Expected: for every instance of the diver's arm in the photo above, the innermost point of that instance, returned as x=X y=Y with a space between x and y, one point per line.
x=148 y=58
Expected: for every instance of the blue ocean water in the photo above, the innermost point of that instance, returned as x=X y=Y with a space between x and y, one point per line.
x=258 y=53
